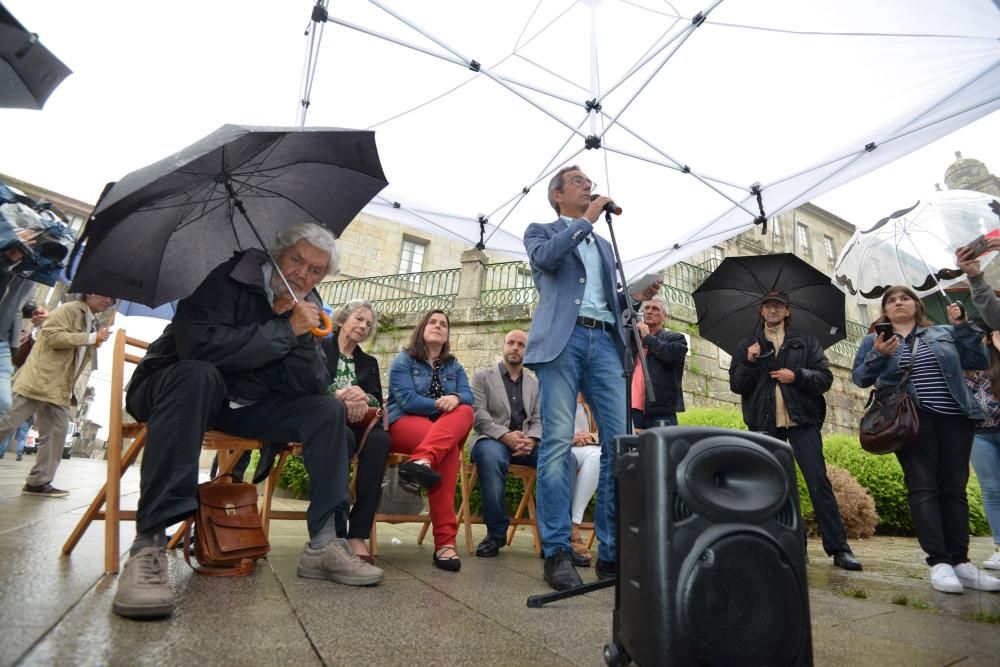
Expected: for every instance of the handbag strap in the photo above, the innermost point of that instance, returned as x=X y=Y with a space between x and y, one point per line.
x=903 y=378
x=368 y=429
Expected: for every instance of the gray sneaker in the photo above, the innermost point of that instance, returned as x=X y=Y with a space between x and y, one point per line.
x=144 y=586
x=43 y=490
x=338 y=562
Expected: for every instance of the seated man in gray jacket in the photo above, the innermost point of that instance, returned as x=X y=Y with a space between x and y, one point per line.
x=507 y=430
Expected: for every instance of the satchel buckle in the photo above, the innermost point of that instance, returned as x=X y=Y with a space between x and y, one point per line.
x=230 y=509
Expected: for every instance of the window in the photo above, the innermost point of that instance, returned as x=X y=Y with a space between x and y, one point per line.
x=776 y=225
x=831 y=256
x=715 y=256
x=803 y=232
x=411 y=257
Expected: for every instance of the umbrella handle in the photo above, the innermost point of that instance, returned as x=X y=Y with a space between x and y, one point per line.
x=325 y=329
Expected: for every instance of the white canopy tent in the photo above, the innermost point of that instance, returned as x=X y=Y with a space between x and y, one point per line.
x=700 y=117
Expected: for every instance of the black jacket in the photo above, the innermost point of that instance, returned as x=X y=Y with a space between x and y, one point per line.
x=365 y=366
x=227 y=321
x=803 y=397
x=665 y=354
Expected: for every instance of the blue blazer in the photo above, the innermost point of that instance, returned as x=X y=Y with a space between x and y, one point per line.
x=410 y=380
x=559 y=275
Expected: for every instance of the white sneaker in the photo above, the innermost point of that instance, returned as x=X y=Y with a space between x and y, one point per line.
x=970 y=576
x=993 y=562
x=943 y=579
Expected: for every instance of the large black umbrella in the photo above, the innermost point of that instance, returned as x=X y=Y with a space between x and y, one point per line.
x=728 y=302
x=158 y=231
x=28 y=71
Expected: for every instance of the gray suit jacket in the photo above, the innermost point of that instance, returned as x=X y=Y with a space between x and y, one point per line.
x=493 y=409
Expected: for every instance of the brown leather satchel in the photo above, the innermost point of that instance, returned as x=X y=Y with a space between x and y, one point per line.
x=890 y=422
x=228 y=533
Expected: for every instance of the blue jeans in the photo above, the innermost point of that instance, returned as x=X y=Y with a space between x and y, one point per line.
x=20 y=435
x=591 y=363
x=6 y=372
x=986 y=463
x=493 y=459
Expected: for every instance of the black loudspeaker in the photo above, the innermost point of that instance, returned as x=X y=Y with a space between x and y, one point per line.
x=711 y=551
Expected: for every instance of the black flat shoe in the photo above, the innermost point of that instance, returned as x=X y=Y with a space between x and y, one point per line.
x=452 y=564
x=420 y=474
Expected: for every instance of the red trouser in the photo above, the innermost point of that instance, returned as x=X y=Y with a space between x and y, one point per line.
x=439 y=442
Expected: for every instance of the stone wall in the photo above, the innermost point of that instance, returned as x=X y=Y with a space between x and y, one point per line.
x=477 y=337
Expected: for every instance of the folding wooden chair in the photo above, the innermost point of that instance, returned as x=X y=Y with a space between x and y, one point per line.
x=229 y=449
x=469 y=475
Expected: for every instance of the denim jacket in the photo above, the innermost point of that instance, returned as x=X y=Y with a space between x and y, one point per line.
x=956 y=348
x=410 y=380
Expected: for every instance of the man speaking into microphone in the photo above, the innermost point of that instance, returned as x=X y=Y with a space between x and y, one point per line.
x=577 y=345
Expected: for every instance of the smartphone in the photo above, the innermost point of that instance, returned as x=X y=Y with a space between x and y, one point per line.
x=884 y=330
x=978 y=246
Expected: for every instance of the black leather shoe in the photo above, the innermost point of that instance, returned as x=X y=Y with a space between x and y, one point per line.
x=559 y=572
x=846 y=560
x=581 y=560
x=605 y=569
x=490 y=547
x=421 y=474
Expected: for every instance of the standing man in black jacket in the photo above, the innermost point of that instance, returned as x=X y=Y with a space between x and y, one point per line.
x=239 y=357
x=664 y=351
x=782 y=391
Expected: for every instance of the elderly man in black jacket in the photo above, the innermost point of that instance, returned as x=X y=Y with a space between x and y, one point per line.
x=664 y=351
x=782 y=390
x=239 y=357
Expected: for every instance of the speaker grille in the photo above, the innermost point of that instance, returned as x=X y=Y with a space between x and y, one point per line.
x=681 y=511
x=786 y=517
x=741 y=604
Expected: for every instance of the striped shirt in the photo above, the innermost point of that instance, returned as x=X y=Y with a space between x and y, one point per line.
x=928 y=381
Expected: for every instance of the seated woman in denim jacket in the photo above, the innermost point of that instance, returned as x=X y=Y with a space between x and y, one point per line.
x=936 y=466
x=430 y=415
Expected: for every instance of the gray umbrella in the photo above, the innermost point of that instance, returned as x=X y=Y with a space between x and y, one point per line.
x=28 y=71
x=157 y=232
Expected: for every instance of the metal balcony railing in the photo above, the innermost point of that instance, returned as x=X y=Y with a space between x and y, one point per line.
x=508 y=283
x=396 y=294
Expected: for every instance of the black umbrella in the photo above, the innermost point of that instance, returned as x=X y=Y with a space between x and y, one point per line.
x=728 y=302
x=157 y=232
x=28 y=71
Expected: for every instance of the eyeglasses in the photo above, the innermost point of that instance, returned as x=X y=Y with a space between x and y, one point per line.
x=581 y=181
x=772 y=305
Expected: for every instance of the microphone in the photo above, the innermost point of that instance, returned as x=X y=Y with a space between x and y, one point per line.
x=610 y=207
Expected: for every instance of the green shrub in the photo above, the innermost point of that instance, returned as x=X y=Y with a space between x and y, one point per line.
x=718 y=417
x=294 y=477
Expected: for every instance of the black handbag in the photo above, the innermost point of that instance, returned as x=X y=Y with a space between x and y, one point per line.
x=890 y=422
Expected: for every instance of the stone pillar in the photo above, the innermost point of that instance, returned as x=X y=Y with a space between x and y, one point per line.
x=472 y=278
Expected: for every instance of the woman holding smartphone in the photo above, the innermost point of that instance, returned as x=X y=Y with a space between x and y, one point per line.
x=936 y=466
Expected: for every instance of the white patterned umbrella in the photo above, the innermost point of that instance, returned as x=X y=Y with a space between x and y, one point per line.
x=915 y=246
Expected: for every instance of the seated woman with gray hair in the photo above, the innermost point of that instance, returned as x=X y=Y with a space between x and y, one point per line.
x=355 y=380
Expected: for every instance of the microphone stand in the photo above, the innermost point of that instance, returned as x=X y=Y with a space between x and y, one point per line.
x=535 y=601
